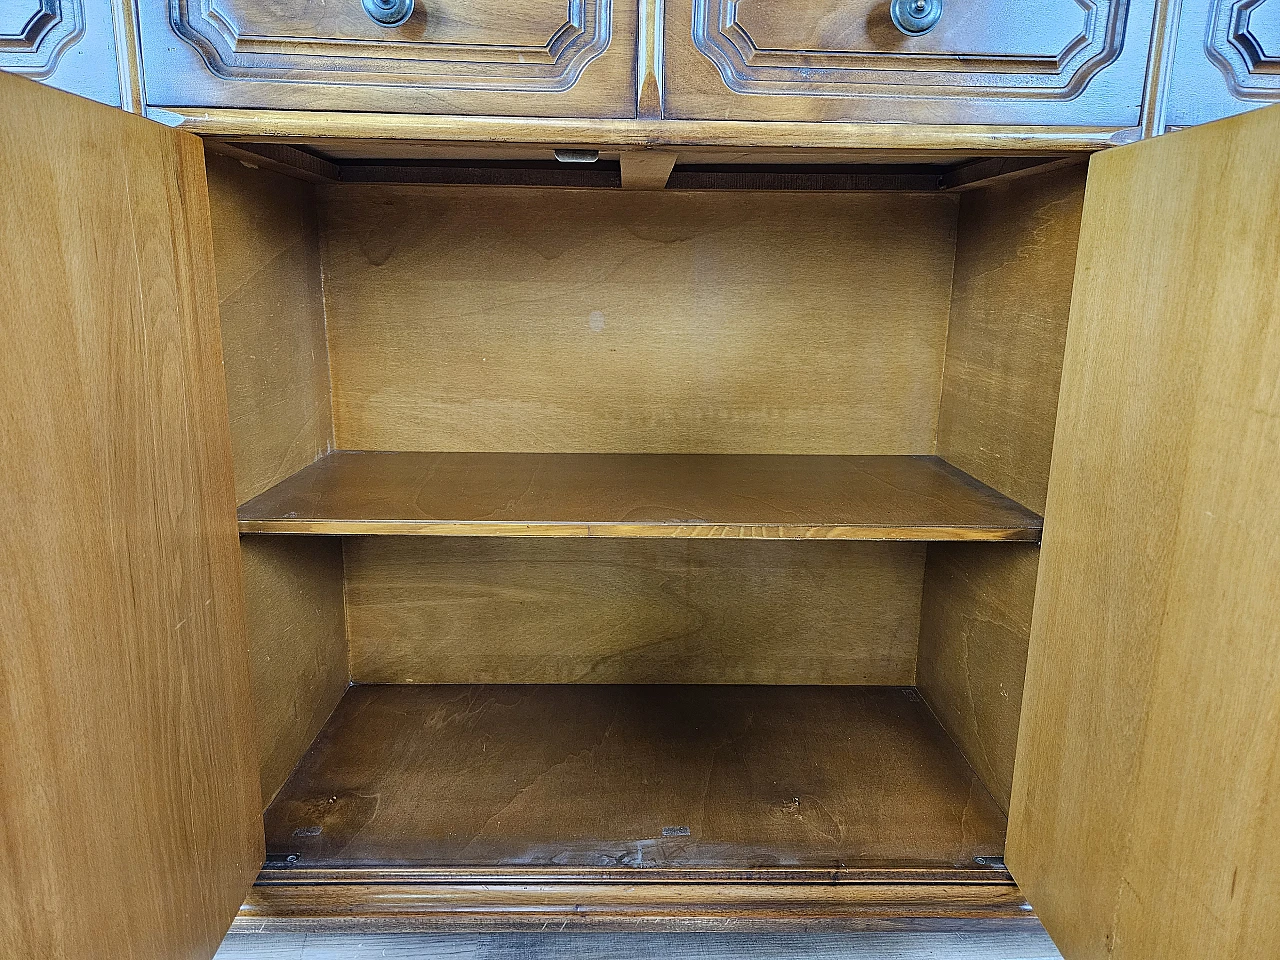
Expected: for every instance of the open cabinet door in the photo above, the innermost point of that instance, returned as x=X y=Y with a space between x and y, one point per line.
x=129 y=811
x=1145 y=822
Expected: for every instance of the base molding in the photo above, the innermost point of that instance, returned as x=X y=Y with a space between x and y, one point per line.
x=327 y=901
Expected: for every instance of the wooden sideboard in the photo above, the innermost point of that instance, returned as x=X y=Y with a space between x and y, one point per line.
x=655 y=466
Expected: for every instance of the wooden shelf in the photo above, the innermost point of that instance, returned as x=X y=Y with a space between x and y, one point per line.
x=638 y=495
x=665 y=778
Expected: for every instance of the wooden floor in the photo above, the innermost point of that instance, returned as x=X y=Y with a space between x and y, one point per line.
x=975 y=942
x=638 y=495
x=620 y=777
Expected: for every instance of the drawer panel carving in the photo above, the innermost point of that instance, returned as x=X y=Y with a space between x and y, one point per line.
x=1063 y=62
x=69 y=44
x=1244 y=42
x=1048 y=48
x=455 y=45
x=34 y=35
x=1226 y=60
x=499 y=57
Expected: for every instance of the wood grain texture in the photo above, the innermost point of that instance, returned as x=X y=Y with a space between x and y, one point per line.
x=977 y=174
x=839 y=60
x=267 y=248
x=637 y=908
x=340 y=150
x=128 y=803
x=661 y=322
x=646 y=169
x=471 y=610
x=1011 y=297
x=638 y=495
x=1147 y=789
x=972 y=940
x=1015 y=261
x=319 y=127
x=297 y=645
x=534 y=58
x=278 y=158
x=975 y=621
x=632 y=777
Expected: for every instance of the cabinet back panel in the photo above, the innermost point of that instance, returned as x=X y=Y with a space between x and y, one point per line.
x=464 y=610
x=1015 y=262
x=545 y=320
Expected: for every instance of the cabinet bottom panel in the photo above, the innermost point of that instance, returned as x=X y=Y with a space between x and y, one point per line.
x=633 y=781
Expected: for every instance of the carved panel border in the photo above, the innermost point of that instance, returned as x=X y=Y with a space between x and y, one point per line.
x=1252 y=72
x=551 y=68
x=34 y=51
x=747 y=68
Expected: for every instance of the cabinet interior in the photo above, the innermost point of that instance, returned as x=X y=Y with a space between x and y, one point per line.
x=680 y=529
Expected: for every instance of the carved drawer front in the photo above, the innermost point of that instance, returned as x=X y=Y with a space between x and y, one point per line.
x=1226 y=60
x=69 y=44
x=1068 y=62
x=537 y=57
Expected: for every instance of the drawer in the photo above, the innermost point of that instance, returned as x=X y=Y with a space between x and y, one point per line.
x=531 y=57
x=1226 y=60
x=1057 y=62
x=68 y=44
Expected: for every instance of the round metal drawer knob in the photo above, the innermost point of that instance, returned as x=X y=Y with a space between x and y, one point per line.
x=389 y=13
x=912 y=17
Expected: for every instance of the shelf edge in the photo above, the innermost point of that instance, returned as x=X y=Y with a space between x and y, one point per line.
x=448 y=528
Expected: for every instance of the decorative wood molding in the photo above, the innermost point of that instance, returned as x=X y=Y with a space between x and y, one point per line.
x=318 y=127
x=1244 y=43
x=231 y=51
x=1155 y=88
x=392 y=904
x=649 y=60
x=983 y=872
x=128 y=56
x=916 y=67
x=34 y=45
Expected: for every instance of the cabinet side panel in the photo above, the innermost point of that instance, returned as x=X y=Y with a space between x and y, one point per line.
x=467 y=610
x=1147 y=791
x=266 y=241
x=297 y=645
x=267 y=245
x=129 y=806
x=1015 y=258
x=607 y=321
